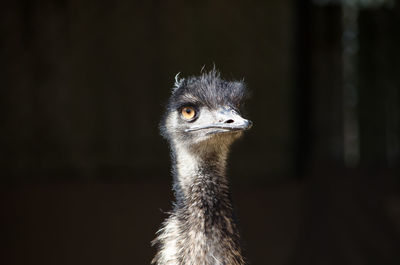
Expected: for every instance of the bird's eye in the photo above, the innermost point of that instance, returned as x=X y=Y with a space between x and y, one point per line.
x=188 y=113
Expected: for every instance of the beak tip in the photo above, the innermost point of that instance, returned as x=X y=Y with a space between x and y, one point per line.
x=249 y=124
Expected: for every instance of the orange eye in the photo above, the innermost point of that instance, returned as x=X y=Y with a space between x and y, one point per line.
x=188 y=113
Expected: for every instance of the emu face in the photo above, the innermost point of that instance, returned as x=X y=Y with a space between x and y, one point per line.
x=203 y=109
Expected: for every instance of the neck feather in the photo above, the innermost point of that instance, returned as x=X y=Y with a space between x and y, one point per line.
x=199 y=169
x=203 y=223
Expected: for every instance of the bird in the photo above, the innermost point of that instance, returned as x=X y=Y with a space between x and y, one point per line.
x=201 y=121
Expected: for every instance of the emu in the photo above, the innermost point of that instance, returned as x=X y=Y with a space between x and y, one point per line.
x=201 y=122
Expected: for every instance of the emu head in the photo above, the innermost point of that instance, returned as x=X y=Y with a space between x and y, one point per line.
x=204 y=112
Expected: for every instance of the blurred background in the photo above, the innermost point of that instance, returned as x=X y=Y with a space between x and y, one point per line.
x=85 y=174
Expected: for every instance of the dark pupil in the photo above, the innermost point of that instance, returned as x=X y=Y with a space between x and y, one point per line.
x=188 y=111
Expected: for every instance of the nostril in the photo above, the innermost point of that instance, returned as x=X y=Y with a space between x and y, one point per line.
x=229 y=121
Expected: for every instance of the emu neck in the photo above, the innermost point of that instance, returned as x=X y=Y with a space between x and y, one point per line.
x=203 y=212
x=200 y=170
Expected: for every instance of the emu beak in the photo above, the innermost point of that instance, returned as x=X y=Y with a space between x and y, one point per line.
x=226 y=120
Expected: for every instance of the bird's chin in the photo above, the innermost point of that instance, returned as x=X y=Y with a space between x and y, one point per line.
x=219 y=131
x=218 y=134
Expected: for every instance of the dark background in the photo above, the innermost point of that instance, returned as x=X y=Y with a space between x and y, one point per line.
x=85 y=175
